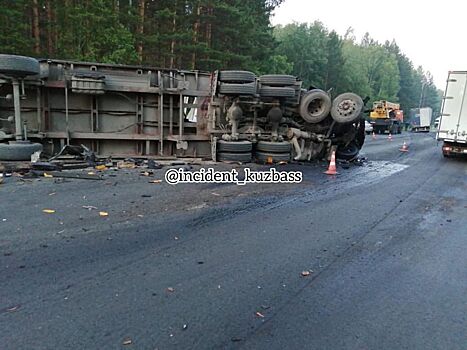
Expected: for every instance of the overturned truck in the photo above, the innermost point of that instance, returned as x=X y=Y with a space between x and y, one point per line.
x=134 y=111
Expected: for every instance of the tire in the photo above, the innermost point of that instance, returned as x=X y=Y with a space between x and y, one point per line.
x=234 y=157
x=315 y=106
x=277 y=80
x=236 y=76
x=18 y=66
x=263 y=157
x=348 y=152
x=237 y=89
x=18 y=150
x=234 y=146
x=346 y=108
x=273 y=147
x=273 y=91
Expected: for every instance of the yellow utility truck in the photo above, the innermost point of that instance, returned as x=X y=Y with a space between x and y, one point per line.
x=386 y=117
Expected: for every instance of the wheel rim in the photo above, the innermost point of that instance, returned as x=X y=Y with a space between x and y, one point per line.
x=315 y=107
x=346 y=108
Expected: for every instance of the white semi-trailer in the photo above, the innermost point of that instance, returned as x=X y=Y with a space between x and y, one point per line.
x=452 y=129
x=421 y=120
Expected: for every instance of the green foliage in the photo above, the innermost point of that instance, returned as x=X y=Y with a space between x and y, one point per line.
x=15 y=29
x=210 y=35
x=94 y=33
x=304 y=45
x=382 y=72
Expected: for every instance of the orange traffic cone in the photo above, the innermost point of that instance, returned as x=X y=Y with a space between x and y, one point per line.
x=332 y=165
x=390 y=137
x=373 y=137
x=404 y=148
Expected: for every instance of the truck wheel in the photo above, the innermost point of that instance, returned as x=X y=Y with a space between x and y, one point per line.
x=234 y=146
x=236 y=76
x=277 y=80
x=265 y=157
x=274 y=91
x=348 y=152
x=315 y=106
x=18 y=66
x=237 y=89
x=234 y=157
x=18 y=150
x=273 y=147
x=346 y=108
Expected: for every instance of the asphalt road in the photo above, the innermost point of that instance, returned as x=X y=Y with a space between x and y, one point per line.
x=221 y=266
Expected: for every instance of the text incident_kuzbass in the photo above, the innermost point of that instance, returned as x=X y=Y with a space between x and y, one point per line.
x=177 y=176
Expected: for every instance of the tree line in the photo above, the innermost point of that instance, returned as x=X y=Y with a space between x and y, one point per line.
x=214 y=34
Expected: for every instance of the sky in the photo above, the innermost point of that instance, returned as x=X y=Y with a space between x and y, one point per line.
x=430 y=33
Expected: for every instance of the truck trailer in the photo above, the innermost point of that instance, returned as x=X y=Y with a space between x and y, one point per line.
x=452 y=128
x=420 y=120
x=143 y=111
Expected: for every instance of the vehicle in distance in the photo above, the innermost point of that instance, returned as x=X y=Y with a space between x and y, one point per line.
x=420 y=120
x=387 y=117
x=368 y=127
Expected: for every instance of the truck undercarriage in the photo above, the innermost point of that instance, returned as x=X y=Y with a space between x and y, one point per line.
x=124 y=111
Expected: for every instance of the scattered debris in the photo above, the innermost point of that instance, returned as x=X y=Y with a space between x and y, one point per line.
x=152 y=164
x=147 y=173
x=14 y=308
x=100 y=167
x=46 y=166
x=81 y=152
x=155 y=181
x=127 y=341
x=90 y=207
x=66 y=175
x=125 y=165
x=178 y=162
